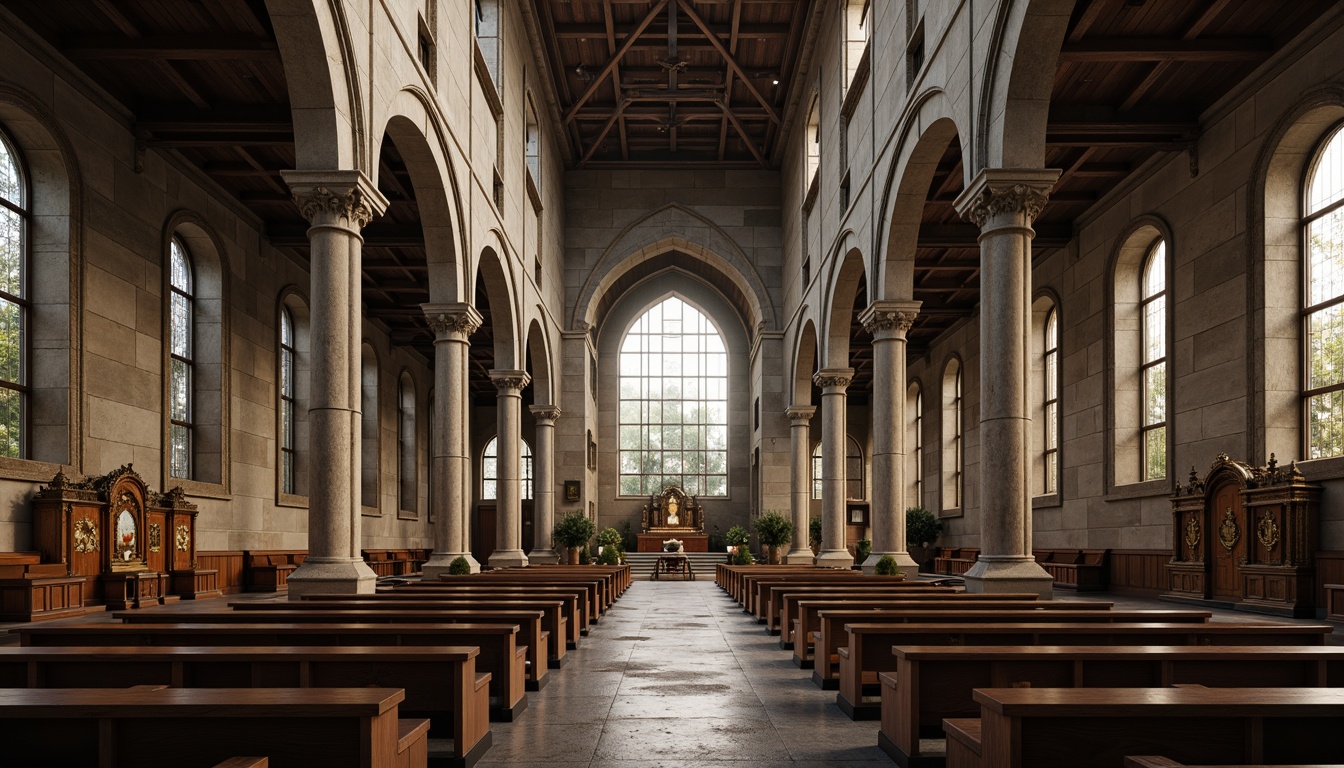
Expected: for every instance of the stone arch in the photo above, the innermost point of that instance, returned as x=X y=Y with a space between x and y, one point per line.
x=316 y=49
x=1015 y=95
x=894 y=270
x=419 y=137
x=538 y=348
x=850 y=277
x=493 y=274
x=1275 y=289
x=55 y=248
x=696 y=236
x=806 y=362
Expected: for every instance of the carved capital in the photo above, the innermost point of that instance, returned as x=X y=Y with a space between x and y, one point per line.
x=509 y=382
x=800 y=415
x=445 y=320
x=335 y=198
x=545 y=414
x=890 y=319
x=834 y=379
x=998 y=191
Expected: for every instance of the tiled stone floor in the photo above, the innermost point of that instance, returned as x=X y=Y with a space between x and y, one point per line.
x=677 y=676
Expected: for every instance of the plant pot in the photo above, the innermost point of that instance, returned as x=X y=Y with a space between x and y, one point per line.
x=921 y=557
x=775 y=555
x=573 y=555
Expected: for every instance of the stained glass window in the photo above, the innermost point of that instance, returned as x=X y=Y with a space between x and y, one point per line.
x=287 y=413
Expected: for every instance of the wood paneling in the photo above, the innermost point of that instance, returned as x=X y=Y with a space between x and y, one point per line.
x=1139 y=571
x=230 y=567
x=1329 y=570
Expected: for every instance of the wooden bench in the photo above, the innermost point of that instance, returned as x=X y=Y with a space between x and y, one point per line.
x=1334 y=602
x=388 y=562
x=759 y=594
x=200 y=727
x=772 y=602
x=268 y=570
x=1164 y=762
x=1081 y=570
x=621 y=576
x=868 y=651
x=554 y=625
x=790 y=611
x=531 y=635
x=245 y=762
x=498 y=644
x=441 y=683
x=31 y=590
x=931 y=683
x=585 y=611
x=955 y=561
x=1055 y=727
x=598 y=589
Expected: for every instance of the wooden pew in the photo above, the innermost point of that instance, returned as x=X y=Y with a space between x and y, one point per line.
x=597 y=588
x=245 y=762
x=531 y=635
x=868 y=651
x=553 y=621
x=772 y=601
x=267 y=570
x=1055 y=727
x=1164 y=762
x=739 y=576
x=571 y=615
x=498 y=644
x=441 y=683
x=618 y=575
x=931 y=683
x=1082 y=570
x=200 y=727
x=789 y=600
x=584 y=612
x=759 y=586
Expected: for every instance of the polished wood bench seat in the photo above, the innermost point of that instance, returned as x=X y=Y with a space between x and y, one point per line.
x=1058 y=727
x=932 y=683
x=774 y=608
x=1147 y=761
x=585 y=610
x=841 y=597
x=869 y=649
x=598 y=593
x=200 y=727
x=244 y=762
x=1081 y=570
x=498 y=644
x=728 y=577
x=268 y=570
x=441 y=682
x=571 y=615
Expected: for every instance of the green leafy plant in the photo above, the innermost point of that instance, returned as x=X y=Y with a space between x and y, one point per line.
x=887 y=567
x=921 y=527
x=737 y=536
x=814 y=533
x=743 y=556
x=574 y=530
x=611 y=555
x=609 y=537
x=774 y=529
x=459 y=567
x=585 y=557
x=862 y=550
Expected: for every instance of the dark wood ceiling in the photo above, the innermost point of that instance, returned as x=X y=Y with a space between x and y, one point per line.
x=672 y=83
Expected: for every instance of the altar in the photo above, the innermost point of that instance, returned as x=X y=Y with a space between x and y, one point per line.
x=672 y=515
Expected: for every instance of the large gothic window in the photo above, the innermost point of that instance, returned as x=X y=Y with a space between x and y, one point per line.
x=1153 y=314
x=14 y=217
x=1323 y=239
x=673 y=403
x=288 y=416
x=180 y=384
x=490 y=469
x=854 y=485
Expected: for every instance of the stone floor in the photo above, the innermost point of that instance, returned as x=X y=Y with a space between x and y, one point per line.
x=677 y=676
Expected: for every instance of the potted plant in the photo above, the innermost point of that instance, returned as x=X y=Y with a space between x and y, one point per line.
x=774 y=531
x=610 y=539
x=814 y=535
x=743 y=555
x=921 y=530
x=459 y=567
x=861 y=552
x=573 y=532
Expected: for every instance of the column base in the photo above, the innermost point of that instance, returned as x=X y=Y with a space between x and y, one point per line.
x=799 y=557
x=835 y=558
x=1009 y=573
x=904 y=561
x=543 y=557
x=331 y=576
x=508 y=558
x=439 y=563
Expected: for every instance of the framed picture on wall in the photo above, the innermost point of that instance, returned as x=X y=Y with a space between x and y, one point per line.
x=858 y=514
x=572 y=490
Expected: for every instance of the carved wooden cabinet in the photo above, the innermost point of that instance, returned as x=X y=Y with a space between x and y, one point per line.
x=1246 y=536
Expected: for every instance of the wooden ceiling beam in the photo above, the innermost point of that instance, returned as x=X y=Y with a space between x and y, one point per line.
x=1090 y=13
x=1139 y=49
x=742 y=132
x=731 y=61
x=602 y=135
x=1155 y=74
x=584 y=32
x=223 y=139
x=172 y=48
x=615 y=59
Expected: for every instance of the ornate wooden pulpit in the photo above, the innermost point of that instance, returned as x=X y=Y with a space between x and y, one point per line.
x=1246 y=536
x=673 y=515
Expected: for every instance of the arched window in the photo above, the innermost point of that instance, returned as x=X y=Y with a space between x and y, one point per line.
x=181 y=353
x=816 y=470
x=287 y=405
x=953 y=435
x=490 y=469
x=1050 y=422
x=673 y=403
x=1323 y=315
x=857 y=14
x=854 y=468
x=368 y=428
x=488 y=37
x=813 y=140
x=14 y=304
x=407 y=459
x=533 y=148
x=1153 y=405
x=914 y=420
x=293 y=396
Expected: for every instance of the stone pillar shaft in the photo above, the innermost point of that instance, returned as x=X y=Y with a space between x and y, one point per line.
x=1003 y=203
x=337 y=204
x=800 y=439
x=888 y=321
x=543 y=485
x=452 y=325
x=833 y=383
x=508 y=485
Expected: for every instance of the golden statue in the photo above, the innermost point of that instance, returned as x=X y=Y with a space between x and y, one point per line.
x=672 y=511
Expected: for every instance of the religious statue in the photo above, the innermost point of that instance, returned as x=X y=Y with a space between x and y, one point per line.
x=672 y=518
x=672 y=511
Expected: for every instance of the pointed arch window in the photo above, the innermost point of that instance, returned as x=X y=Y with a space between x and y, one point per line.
x=490 y=469
x=673 y=403
x=1153 y=368
x=953 y=435
x=14 y=303
x=181 y=359
x=1050 y=401
x=1323 y=311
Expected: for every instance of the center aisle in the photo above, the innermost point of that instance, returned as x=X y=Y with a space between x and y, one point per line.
x=677 y=676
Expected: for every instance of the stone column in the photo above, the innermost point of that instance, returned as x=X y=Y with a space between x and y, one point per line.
x=337 y=205
x=509 y=487
x=833 y=383
x=452 y=325
x=800 y=439
x=543 y=485
x=1003 y=203
x=888 y=321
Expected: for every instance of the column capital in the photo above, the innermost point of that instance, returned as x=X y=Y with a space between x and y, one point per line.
x=509 y=382
x=889 y=319
x=834 y=380
x=1014 y=191
x=446 y=320
x=545 y=414
x=801 y=415
x=345 y=199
